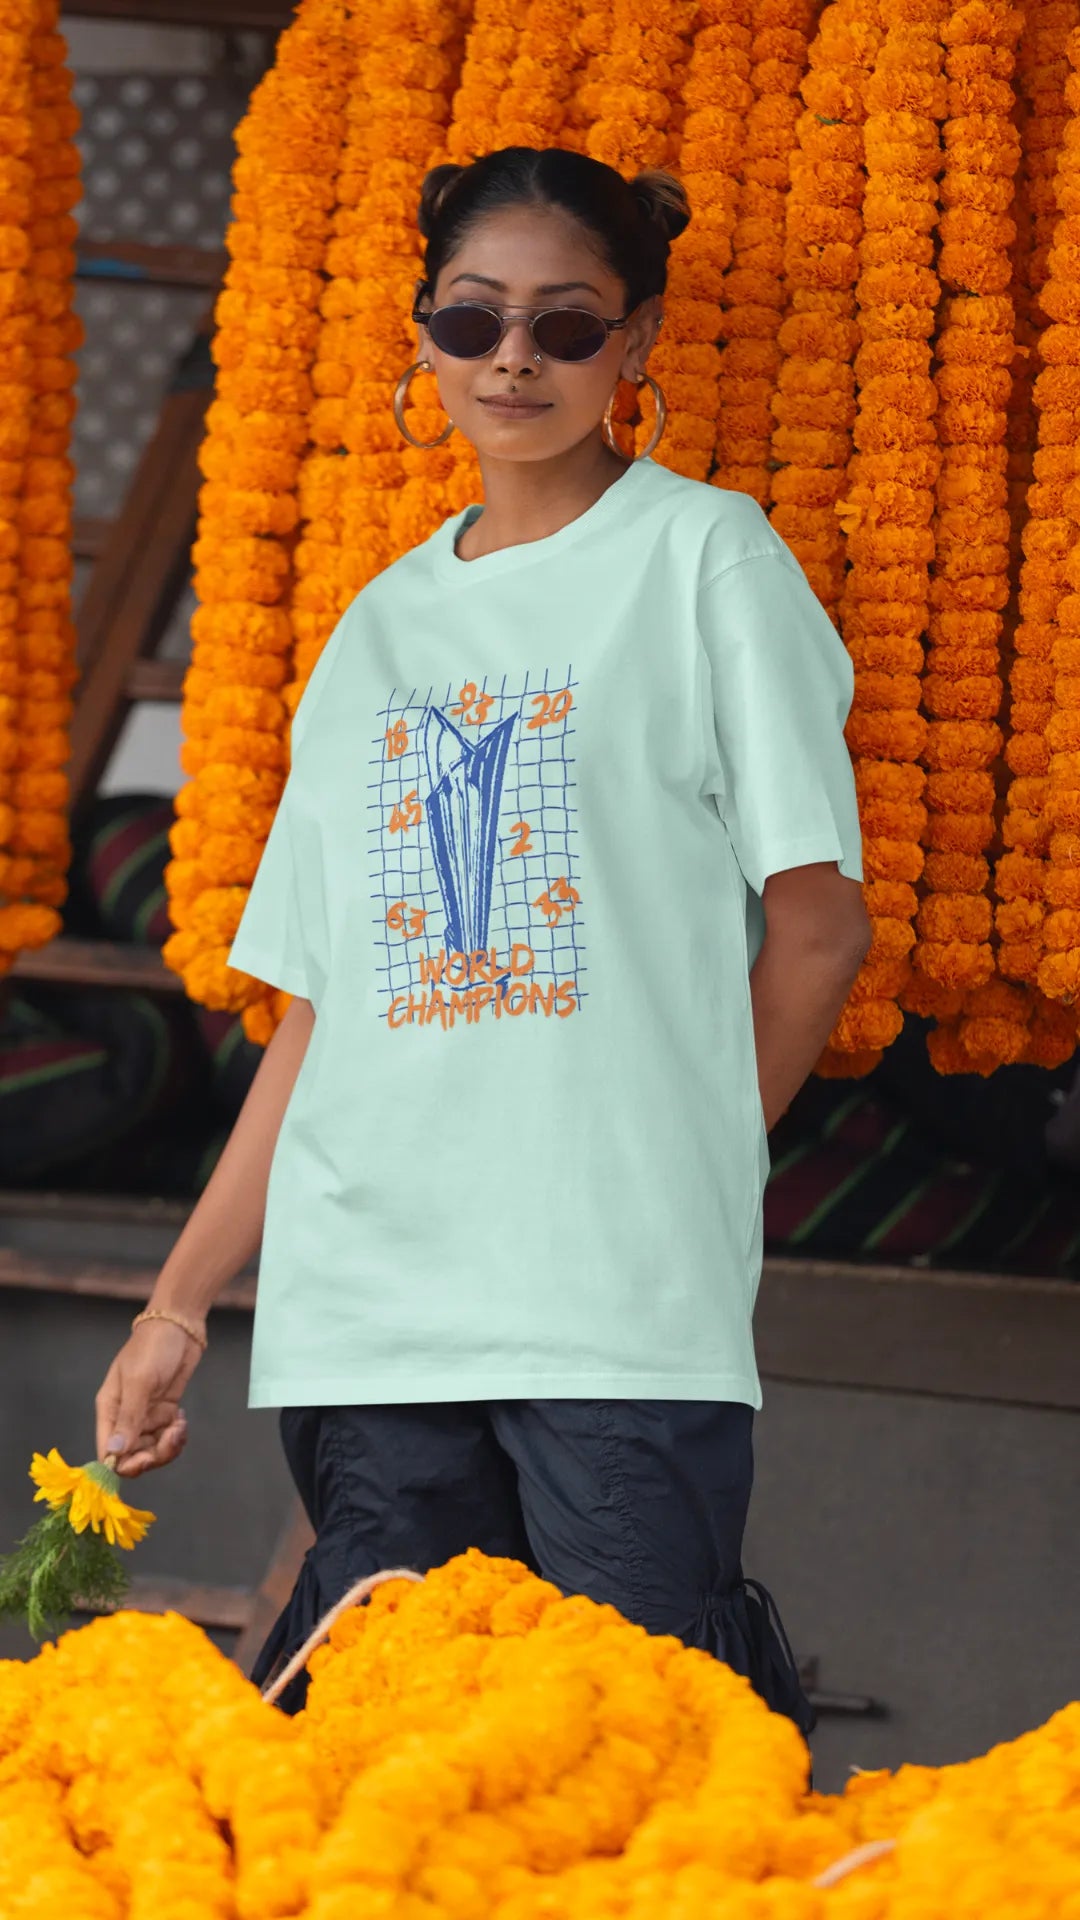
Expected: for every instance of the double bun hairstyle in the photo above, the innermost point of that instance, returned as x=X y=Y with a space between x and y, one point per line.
x=632 y=222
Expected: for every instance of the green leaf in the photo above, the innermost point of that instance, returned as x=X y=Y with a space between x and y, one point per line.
x=54 y=1572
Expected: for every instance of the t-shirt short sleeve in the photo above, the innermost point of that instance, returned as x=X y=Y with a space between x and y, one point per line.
x=269 y=941
x=782 y=685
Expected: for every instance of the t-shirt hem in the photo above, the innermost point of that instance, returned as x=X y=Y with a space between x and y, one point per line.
x=360 y=1390
x=783 y=856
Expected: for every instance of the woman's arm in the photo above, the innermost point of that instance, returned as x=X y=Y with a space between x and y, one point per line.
x=139 y=1401
x=816 y=938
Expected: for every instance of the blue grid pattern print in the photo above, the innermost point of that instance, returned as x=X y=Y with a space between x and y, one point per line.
x=472 y=832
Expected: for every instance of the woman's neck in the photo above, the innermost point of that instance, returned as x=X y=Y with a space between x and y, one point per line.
x=529 y=499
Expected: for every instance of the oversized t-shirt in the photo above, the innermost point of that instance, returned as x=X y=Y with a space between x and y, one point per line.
x=517 y=868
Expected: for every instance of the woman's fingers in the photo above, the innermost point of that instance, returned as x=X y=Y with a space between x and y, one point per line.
x=156 y=1449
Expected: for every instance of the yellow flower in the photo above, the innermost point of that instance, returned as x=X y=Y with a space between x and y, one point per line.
x=92 y=1497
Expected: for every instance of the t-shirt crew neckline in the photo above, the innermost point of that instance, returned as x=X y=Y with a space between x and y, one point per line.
x=451 y=567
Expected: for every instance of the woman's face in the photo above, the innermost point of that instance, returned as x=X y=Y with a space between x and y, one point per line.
x=509 y=404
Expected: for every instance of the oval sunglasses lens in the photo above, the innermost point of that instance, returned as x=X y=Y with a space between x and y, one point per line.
x=569 y=334
x=465 y=332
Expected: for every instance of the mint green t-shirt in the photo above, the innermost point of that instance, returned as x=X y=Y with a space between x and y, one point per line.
x=534 y=800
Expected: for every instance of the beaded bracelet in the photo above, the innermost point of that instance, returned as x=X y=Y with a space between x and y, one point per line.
x=186 y=1326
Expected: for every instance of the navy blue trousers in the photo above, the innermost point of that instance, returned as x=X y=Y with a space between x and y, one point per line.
x=641 y=1503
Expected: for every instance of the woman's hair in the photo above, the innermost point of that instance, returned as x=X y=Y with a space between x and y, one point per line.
x=632 y=223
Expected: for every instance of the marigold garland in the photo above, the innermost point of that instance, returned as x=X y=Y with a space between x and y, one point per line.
x=1018 y=877
x=234 y=715
x=889 y=506
x=819 y=335
x=1057 y=396
x=644 y=71
x=39 y=185
x=755 y=292
x=686 y=361
x=479 y=1748
x=516 y=89
x=962 y=686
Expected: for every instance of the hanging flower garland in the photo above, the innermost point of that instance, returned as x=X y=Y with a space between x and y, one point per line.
x=517 y=89
x=1018 y=874
x=647 y=70
x=962 y=686
x=890 y=502
x=754 y=293
x=18 y=921
x=404 y=67
x=234 y=717
x=1057 y=395
x=819 y=336
x=714 y=96
x=39 y=185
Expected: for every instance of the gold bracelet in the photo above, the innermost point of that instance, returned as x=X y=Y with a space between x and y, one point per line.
x=177 y=1320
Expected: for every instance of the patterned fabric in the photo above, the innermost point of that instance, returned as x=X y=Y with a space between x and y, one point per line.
x=118 y=867
x=234 y=1059
x=79 y=1072
x=902 y=1169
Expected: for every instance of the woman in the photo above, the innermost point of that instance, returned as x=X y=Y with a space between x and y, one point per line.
x=565 y=885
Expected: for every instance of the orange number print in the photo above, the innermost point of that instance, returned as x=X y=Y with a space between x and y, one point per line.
x=552 y=707
x=406 y=920
x=523 y=843
x=397 y=740
x=560 y=898
x=408 y=814
x=473 y=707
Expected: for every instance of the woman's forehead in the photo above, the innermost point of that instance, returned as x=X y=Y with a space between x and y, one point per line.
x=522 y=253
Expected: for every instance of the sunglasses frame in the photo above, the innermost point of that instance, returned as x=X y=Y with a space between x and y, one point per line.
x=506 y=315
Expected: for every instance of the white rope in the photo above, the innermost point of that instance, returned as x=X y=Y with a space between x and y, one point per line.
x=851 y=1862
x=353 y=1598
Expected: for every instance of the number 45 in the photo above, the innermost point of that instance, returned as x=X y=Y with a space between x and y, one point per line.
x=408 y=813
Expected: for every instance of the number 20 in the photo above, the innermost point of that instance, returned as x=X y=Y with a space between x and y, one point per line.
x=553 y=707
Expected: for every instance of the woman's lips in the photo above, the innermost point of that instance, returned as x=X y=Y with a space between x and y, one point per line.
x=514 y=409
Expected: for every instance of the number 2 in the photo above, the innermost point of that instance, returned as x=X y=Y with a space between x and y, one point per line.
x=523 y=843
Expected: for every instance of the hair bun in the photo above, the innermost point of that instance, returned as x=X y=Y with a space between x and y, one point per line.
x=662 y=199
x=436 y=185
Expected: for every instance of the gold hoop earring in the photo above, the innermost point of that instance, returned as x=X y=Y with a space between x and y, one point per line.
x=402 y=388
x=661 y=419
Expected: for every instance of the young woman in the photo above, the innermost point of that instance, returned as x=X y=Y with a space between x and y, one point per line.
x=565 y=885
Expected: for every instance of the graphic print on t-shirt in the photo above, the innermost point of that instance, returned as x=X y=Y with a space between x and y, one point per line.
x=473 y=837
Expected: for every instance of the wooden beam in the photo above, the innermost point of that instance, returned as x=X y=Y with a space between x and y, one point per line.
x=226 y=16
x=81 y=1209
x=150 y=265
x=97 y=963
x=26 y=1272
x=157 y=680
x=955 y=1336
x=226 y=1608
x=135 y=584
x=88 y=536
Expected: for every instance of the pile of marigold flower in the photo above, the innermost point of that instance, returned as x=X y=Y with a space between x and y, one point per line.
x=478 y=1748
x=871 y=327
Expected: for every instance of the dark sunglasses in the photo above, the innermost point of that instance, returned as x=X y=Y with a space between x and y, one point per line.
x=468 y=331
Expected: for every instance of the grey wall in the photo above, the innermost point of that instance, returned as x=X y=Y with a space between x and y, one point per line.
x=928 y=1551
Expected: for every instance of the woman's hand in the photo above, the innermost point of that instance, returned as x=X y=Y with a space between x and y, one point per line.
x=139 y=1415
